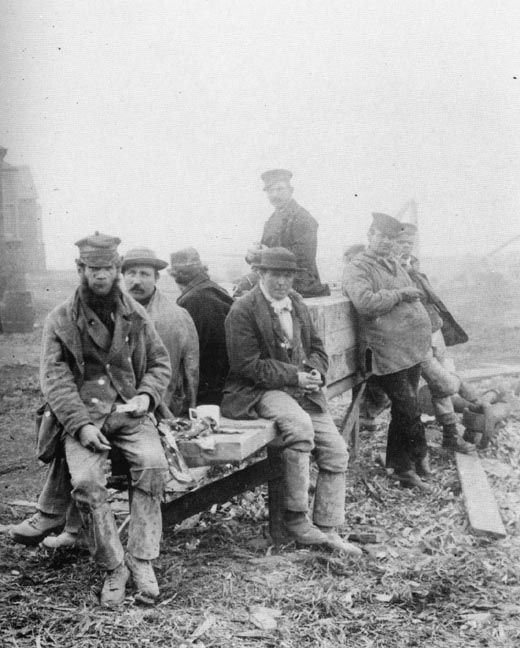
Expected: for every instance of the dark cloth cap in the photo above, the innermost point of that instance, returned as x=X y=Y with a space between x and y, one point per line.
x=98 y=250
x=409 y=229
x=185 y=258
x=275 y=175
x=142 y=256
x=278 y=258
x=386 y=224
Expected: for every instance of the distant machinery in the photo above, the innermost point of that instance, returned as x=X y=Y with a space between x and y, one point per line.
x=21 y=245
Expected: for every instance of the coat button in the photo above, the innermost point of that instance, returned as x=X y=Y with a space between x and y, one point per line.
x=101 y=381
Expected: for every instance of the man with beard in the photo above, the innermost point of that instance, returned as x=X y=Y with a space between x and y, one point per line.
x=292 y=227
x=104 y=369
x=208 y=304
x=395 y=336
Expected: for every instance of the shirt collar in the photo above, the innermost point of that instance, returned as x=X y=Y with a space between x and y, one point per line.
x=278 y=305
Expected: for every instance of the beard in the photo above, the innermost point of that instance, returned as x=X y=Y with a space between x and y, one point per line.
x=103 y=305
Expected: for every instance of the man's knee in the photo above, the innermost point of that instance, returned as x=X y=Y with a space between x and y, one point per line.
x=149 y=480
x=297 y=431
x=334 y=457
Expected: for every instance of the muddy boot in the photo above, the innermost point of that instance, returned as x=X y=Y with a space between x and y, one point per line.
x=33 y=530
x=337 y=543
x=301 y=529
x=114 y=587
x=63 y=540
x=452 y=441
x=144 y=579
x=410 y=479
x=422 y=468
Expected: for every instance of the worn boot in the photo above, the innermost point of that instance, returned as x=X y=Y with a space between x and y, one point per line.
x=114 y=587
x=337 y=543
x=144 y=579
x=301 y=529
x=410 y=479
x=33 y=530
x=63 y=540
x=452 y=441
x=422 y=468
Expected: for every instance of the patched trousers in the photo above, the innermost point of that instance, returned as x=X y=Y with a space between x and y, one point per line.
x=139 y=442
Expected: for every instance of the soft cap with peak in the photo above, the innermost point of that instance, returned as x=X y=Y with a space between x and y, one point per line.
x=387 y=225
x=275 y=175
x=144 y=257
x=185 y=258
x=278 y=258
x=98 y=250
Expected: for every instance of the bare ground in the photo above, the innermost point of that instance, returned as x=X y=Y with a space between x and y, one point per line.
x=427 y=582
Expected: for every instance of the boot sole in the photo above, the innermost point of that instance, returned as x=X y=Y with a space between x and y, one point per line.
x=30 y=541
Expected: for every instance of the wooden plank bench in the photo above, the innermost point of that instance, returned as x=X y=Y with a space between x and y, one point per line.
x=334 y=322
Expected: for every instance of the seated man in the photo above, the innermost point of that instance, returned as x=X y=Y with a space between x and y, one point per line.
x=103 y=370
x=277 y=368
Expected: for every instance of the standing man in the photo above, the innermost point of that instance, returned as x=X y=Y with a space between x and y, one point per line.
x=208 y=304
x=277 y=369
x=395 y=336
x=104 y=369
x=438 y=369
x=292 y=227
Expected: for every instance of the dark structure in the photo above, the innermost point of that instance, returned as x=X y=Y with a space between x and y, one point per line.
x=21 y=245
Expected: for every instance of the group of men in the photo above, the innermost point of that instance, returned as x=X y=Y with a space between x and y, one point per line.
x=114 y=362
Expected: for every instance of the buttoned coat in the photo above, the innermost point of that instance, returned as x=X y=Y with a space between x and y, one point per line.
x=137 y=360
x=292 y=227
x=396 y=334
x=258 y=356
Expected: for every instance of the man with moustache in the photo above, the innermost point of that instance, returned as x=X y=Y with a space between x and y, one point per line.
x=104 y=369
x=278 y=366
x=395 y=337
x=292 y=227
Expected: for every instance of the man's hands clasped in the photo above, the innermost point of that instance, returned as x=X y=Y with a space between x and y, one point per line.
x=310 y=381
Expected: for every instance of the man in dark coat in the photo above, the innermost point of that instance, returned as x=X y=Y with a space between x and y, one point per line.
x=278 y=366
x=292 y=227
x=103 y=371
x=208 y=304
x=395 y=337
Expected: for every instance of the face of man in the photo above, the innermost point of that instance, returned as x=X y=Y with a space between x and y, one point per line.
x=277 y=283
x=140 y=281
x=404 y=245
x=380 y=244
x=279 y=193
x=100 y=280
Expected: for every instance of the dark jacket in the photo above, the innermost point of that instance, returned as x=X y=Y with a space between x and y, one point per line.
x=208 y=304
x=292 y=227
x=137 y=361
x=258 y=358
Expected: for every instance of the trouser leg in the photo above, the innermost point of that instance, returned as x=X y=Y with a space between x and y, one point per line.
x=329 y=500
x=296 y=480
x=55 y=496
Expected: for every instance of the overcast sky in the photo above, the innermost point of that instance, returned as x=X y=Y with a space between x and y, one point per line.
x=153 y=120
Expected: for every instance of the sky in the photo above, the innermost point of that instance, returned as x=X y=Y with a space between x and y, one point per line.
x=153 y=120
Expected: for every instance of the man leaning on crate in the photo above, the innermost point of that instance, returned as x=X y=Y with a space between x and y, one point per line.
x=277 y=369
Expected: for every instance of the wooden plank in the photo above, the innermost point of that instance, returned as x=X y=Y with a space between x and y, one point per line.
x=227 y=448
x=483 y=513
x=489 y=372
x=219 y=491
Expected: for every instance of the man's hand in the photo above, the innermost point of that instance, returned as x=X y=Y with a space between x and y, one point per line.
x=410 y=294
x=309 y=382
x=140 y=405
x=93 y=439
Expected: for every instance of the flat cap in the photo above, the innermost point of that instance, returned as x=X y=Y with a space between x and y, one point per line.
x=98 y=250
x=185 y=258
x=278 y=258
x=275 y=175
x=142 y=256
x=386 y=224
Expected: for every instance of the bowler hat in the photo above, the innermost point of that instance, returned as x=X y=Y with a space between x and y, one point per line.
x=142 y=256
x=98 y=250
x=386 y=224
x=275 y=175
x=278 y=258
x=185 y=258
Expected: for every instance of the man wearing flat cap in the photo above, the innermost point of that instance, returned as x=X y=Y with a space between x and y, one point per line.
x=104 y=369
x=394 y=337
x=208 y=304
x=292 y=227
x=278 y=366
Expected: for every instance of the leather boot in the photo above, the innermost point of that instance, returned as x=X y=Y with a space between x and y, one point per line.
x=329 y=500
x=114 y=587
x=144 y=578
x=422 y=468
x=337 y=543
x=410 y=479
x=301 y=529
x=452 y=441
x=33 y=530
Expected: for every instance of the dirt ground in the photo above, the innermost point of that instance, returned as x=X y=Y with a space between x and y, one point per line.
x=428 y=581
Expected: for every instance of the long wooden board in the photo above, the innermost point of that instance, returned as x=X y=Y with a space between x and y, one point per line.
x=483 y=513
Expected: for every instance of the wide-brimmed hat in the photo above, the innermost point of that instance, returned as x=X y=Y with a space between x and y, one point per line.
x=185 y=258
x=386 y=224
x=278 y=258
x=98 y=250
x=142 y=256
